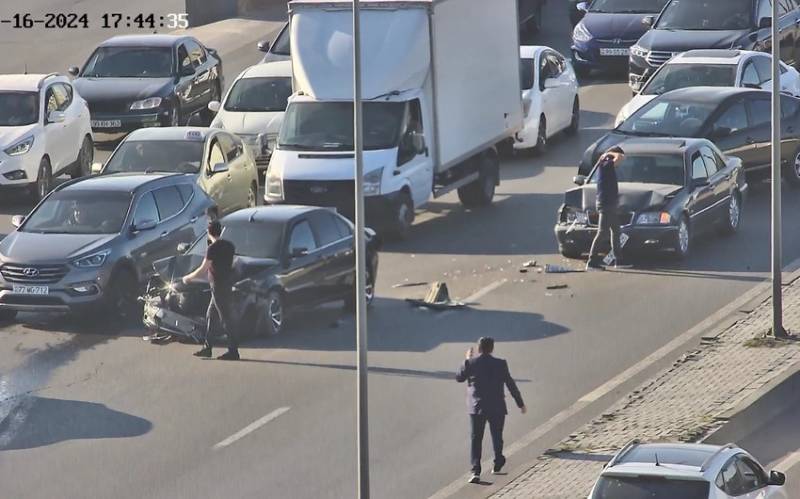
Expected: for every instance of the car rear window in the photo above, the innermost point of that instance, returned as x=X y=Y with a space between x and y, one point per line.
x=610 y=487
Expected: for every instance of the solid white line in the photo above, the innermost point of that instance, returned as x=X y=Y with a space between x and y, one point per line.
x=788 y=462
x=252 y=427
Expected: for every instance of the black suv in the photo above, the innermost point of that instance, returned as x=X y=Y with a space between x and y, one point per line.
x=705 y=24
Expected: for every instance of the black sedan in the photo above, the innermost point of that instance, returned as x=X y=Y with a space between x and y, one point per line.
x=670 y=191
x=136 y=81
x=737 y=120
x=287 y=258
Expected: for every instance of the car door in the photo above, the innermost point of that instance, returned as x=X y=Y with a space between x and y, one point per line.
x=763 y=66
x=787 y=16
x=415 y=164
x=730 y=131
x=719 y=179
x=149 y=244
x=337 y=252
x=216 y=184
x=185 y=90
x=545 y=71
x=203 y=78
x=239 y=174
x=569 y=88
x=72 y=121
x=174 y=228
x=561 y=111
x=302 y=282
x=702 y=198
x=754 y=479
x=790 y=135
x=60 y=145
x=759 y=110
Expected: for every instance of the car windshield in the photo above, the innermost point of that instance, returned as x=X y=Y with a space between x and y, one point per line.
x=649 y=169
x=281 y=44
x=80 y=212
x=707 y=15
x=667 y=118
x=182 y=156
x=259 y=94
x=627 y=6
x=674 y=76
x=129 y=62
x=255 y=240
x=19 y=108
x=649 y=488
x=328 y=126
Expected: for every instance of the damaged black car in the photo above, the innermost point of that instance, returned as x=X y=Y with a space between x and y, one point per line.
x=287 y=258
x=670 y=191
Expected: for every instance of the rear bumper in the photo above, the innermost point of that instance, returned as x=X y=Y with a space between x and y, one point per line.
x=580 y=237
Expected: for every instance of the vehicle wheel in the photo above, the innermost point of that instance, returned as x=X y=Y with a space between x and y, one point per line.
x=44 y=180
x=403 y=217
x=792 y=173
x=272 y=318
x=541 y=137
x=7 y=315
x=734 y=218
x=83 y=167
x=480 y=192
x=123 y=297
x=683 y=241
x=369 y=291
x=252 y=196
x=575 y=123
x=506 y=148
x=570 y=252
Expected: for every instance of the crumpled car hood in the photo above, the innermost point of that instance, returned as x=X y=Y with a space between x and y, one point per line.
x=632 y=196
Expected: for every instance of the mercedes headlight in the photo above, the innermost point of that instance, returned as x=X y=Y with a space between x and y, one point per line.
x=653 y=218
x=151 y=103
x=372 y=182
x=581 y=33
x=639 y=51
x=575 y=216
x=20 y=147
x=92 y=261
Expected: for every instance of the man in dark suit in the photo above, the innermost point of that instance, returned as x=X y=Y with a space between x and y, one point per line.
x=486 y=376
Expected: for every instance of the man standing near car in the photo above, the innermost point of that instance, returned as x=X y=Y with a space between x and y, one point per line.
x=608 y=208
x=218 y=265
x=486 y=377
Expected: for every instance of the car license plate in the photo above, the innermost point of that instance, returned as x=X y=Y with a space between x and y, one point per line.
x=106 y=123
x=31 y=290
x=608 y=51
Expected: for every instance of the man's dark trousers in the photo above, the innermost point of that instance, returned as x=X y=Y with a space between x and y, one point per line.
x=218 y=316
x=607 y=227
x=477 y=427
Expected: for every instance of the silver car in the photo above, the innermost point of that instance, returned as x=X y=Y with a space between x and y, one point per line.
x=89 y=246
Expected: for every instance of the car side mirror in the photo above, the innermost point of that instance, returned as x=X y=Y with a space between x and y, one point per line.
x=263 y=46
x=579 y=179
x=765 y=22
x=56 y=117
x=582 y=7
x=214 y=106
x=299 y=252
x=183 y=248
x=648 y=21
x=148 y=224
x=219 y=168
x=776 y=478
x=97 y=167
x=74 y=70
x=17 y=221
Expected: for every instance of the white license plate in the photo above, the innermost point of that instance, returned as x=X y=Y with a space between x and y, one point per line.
x=613 y=51
x=106 y=123
x=31 y=290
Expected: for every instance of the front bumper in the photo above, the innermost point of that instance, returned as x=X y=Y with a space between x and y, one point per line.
x=61 y=295
x=588 y=55
x=578 y=238
x=19 y=171
x=113 y=123
x=528 y=136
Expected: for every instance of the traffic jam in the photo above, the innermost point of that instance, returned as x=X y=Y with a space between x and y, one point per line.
x=268 y=155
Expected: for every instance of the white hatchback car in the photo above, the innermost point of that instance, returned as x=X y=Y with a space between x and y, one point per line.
x=253 y=107
x=549 y=97
x=686 y=471
x=712 y=68
x=44 y=131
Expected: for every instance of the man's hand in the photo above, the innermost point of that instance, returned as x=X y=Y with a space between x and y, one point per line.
x=469 y=353
x=523 y=409
x=615 y=157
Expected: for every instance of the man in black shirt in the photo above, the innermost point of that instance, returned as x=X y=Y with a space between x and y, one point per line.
x=607 y=207
x=218 y=265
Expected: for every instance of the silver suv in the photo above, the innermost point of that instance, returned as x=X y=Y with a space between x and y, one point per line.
x=90 y=244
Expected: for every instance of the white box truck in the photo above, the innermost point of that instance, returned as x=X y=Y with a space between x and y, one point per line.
x=441 y=88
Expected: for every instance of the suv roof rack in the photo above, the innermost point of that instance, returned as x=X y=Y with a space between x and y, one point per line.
x=45 y=78
x=619 y=455
x=715 y=454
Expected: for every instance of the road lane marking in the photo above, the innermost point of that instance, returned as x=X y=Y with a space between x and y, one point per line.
x=788 y=462
x=252 y=427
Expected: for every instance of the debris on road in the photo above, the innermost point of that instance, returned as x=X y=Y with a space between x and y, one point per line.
x=410 y=284
x=557 y=286
x=559 y=269
x=438 y=298
x=529 y=264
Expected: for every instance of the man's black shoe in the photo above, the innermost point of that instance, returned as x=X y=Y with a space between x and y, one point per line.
x=593 y=266
x=229 y=355
x=497 y=467
x=205 y=353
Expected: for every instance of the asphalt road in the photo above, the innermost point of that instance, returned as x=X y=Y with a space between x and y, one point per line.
x=97 y=414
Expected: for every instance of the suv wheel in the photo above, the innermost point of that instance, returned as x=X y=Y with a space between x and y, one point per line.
x=85 y=158
x=44 y=180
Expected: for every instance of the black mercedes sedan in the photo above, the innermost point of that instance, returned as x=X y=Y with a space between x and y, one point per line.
x=287 y=258
x=136 y=81
x=737 y=120
x=670 y=191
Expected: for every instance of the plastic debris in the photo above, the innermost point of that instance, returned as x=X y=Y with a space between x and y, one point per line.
x=559 y=269
x=438 y=298
x=410 y=284
x=557 y=286
x=529 y=264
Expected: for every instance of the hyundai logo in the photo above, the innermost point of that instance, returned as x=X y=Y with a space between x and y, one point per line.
x=318 y=189
x=618 y=41
x=30 y=272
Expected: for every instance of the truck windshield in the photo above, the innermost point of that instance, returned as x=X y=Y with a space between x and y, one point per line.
x=328 y=126
x=649 y=488
x=707 y=15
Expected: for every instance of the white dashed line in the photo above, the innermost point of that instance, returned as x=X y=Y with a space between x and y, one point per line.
x=252 y=427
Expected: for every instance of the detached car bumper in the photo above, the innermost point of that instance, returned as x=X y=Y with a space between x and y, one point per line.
x=158 y=317
x=577 y=238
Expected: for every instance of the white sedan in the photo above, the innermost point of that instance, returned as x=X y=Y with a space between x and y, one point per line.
x=549 y=97
x=712 y=68
x=253 y=107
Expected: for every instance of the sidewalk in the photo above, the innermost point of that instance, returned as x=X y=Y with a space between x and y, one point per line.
x=684 y=403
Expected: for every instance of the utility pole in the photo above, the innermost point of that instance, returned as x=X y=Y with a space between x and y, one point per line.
x=361 y=264
x=777 y=257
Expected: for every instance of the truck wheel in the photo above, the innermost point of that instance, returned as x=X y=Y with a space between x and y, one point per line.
x=44 y=181
x=403 y=217
x=480 y=192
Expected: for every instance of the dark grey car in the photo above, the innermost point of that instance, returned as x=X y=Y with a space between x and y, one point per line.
x=89 y=246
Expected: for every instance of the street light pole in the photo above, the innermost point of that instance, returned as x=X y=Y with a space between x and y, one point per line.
x=360 y=247
x=777 y=257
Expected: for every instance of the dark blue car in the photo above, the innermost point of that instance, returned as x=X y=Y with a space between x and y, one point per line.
x=603 y=38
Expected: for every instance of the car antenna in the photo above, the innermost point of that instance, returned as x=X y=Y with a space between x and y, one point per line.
x=657 y=463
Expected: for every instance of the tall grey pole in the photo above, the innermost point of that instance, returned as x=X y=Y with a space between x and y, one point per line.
x=777 y=258
x=361 y=281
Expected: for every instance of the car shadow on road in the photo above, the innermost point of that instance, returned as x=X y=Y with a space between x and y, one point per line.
x=40 y=422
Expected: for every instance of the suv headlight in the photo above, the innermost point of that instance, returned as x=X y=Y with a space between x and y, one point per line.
x=639 y=51
x=274 y=188
x=581 y=33
x=92 y=261
x=372 y=182
x=653 y=218
x=150 y=103
x=573 y=215
x=20 y=147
